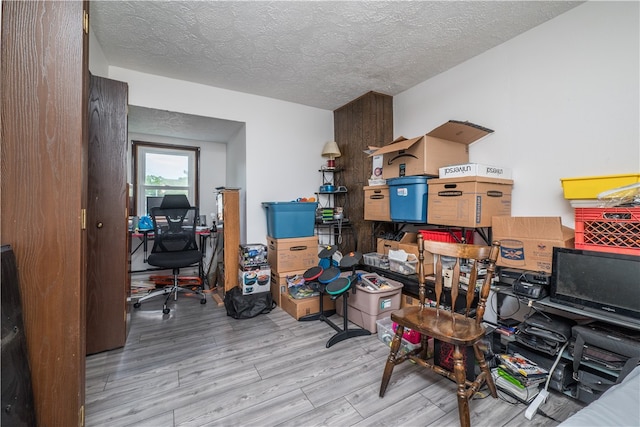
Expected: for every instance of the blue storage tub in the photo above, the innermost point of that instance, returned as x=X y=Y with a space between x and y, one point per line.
x=286 y=220
x=408 y=198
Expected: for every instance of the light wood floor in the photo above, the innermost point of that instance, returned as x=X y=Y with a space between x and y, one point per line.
x=199 y=367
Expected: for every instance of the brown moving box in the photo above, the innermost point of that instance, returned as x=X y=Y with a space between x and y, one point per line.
x=527 y=242
x=445 y=145
x=298 y=253
x=305 y=306
x=469 y=201
x=279 y=286
x=409 y=244
x=376 y=203
x=409 y=301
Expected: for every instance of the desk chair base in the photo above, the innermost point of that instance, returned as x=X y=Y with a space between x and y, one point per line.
x=173 y=290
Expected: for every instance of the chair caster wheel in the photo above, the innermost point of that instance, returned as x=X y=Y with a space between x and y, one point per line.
x=136 y=305
x=203 y=301
x=166 y=310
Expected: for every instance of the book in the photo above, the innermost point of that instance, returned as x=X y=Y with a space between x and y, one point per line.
x=520 y=365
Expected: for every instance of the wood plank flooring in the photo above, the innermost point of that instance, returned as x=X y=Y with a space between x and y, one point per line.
x=198 y=367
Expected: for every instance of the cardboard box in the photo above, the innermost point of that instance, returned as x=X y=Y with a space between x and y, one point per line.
x=527 y=242
x=376 y=203
x=254 y=281
x=409 y=301
x=475 y=169
x=293 y=254
x=279 y=285
x=468 y=201
x=447 y=144
x=303 y=307
x=408 y=243
x=252 y=255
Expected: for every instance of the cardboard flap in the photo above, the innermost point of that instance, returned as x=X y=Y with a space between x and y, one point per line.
x=547 y=228
x=461 y=132
x=398 y=144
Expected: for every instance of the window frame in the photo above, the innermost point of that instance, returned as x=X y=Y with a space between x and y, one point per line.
x=137 y=146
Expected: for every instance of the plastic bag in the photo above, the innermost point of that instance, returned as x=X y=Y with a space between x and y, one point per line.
x=629 y=196
x=145 y=223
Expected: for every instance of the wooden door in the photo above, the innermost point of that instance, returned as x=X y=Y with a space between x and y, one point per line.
x=107 y=234
x=44 y=149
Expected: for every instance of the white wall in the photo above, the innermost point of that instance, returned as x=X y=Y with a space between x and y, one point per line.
x=283 y=140
x=98 y=64
x=563 y=99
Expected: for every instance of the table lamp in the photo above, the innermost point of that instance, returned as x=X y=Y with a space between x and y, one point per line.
x=331 y=151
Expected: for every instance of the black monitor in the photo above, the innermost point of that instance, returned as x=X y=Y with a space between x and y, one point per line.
x=153 y=202
x=603 y=282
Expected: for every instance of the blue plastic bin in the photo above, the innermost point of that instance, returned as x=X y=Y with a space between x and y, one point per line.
x=408 y=199
x=286 y=220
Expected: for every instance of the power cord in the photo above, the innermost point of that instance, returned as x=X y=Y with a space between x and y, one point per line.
x=544 y=393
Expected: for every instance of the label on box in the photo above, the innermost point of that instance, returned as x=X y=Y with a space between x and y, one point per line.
x=385 y=303
x=377 y=166
x=474 y=169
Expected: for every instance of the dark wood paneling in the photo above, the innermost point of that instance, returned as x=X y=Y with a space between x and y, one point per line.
x=43 y=156
x=107 y=239
x=365 y=121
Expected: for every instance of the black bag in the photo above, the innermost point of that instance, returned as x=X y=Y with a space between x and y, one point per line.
x=247 y=306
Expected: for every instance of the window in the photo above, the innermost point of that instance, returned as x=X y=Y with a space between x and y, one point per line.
x=164 y=169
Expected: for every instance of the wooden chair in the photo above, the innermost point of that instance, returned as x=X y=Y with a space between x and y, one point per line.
x=460 y=330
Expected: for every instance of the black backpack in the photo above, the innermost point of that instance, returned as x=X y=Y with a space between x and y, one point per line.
x=247 y=306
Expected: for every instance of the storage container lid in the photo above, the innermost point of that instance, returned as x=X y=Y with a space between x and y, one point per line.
x=405 y=180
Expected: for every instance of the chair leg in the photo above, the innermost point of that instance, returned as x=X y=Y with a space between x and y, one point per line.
x=391 y=359
x=460 y=374
x=484 y=367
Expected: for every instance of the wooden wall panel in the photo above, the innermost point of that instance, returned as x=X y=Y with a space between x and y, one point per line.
x=43 y=86
x=365 y=121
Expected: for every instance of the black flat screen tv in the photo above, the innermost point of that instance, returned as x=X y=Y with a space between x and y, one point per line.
x=603 y=282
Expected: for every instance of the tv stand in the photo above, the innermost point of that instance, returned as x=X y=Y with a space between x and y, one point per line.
x=580 y=315
x=610 y=318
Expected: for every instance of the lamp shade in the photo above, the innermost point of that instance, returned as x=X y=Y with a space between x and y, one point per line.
x=331 y=150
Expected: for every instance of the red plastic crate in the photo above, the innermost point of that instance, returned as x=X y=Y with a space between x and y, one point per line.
x=614 y=230
x=452 y=235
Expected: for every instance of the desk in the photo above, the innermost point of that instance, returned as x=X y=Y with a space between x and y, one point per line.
x=146 y=235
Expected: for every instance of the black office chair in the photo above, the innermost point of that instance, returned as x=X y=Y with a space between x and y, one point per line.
x=174 y=245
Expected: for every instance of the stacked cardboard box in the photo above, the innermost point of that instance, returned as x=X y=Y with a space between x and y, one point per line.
x=290 y=258
x=254 y=273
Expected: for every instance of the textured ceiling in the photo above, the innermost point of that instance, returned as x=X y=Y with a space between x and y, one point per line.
x=185 y=126
x=316 y=53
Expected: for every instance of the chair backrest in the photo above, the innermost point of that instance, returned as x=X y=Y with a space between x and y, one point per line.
x=174 y=229
x=474 y=264
x=175 y=201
